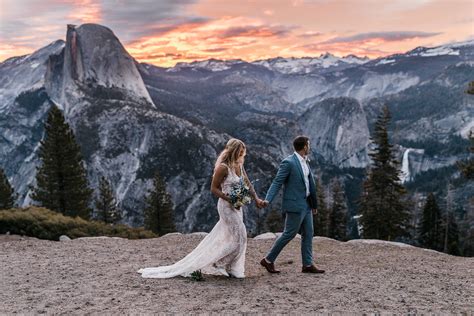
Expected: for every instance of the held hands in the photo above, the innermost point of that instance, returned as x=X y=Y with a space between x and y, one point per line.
x=261 y=203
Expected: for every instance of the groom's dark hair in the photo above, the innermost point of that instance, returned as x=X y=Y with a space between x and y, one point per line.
x=299 y=142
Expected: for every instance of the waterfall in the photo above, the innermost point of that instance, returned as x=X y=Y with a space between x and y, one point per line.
x=406 y=167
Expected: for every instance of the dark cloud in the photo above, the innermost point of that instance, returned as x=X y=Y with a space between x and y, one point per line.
x=134 y=34
x=345 y=50
x=144 y=18
x=20 y=28
x=215 y=50
x=255 y=31
x=128 y=19
x=386 y=36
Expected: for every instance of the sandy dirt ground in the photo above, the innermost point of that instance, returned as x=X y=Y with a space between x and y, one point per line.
x=98 y=276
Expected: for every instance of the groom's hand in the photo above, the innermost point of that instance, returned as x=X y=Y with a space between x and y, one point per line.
x=315 y=211
x=259 y=203
x=265 y=203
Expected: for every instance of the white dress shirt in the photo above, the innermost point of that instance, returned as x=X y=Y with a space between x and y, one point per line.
x=304 y=166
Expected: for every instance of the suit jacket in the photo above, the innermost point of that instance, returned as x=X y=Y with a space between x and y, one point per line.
x=290 y=174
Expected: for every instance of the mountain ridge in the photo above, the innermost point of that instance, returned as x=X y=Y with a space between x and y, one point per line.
x=127 y=128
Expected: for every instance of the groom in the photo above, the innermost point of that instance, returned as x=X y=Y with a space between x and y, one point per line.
x=299 y=205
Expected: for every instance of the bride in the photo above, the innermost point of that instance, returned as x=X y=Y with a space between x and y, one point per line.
x=222 y=251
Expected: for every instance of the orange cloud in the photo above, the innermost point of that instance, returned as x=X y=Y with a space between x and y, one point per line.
x=366 y=44
x=86 y=11
x=165 y=32
x=7 y=51
x=222 y=38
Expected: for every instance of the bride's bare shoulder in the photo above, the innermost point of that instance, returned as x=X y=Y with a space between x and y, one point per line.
x=223 y=166
x=222 y=169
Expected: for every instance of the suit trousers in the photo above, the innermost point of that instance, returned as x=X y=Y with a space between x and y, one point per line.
x=294 y=223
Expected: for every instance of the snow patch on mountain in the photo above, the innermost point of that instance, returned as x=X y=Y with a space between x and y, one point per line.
x=461 y=44
x=385 y=61
x=304 y=65
x=211 y=64
x=439 y=51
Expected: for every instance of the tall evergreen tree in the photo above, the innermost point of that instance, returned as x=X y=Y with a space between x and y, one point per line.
x=106 y=205
x=338 y=213
x=321 y=219
x=61 y=180
x=452 y=244
x=159 y=214
x=451 y=232
x=467 y=167
x=430 y=230
x=7 y=194
x=470 y=88
x=274 y=221
x=385 y=213
x=467 y=229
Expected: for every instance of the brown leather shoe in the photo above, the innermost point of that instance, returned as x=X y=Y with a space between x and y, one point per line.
x=269 y=266
x=311 y=269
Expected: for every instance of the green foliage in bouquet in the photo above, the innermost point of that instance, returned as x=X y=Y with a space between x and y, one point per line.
x=240 y=194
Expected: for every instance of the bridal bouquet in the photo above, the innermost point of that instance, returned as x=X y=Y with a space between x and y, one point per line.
x=240 y=194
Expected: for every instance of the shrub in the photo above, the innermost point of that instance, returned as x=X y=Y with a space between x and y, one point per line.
x=42 y=223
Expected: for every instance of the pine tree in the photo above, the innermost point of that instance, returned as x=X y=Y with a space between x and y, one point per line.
x=452 y=245
x=274 y=222
x=321 y=219
x=467 y=168
x=451 y=232
x=7 y=194
x=338 y=213
x=470 y=88
x=106 y=205
x=61 y=180
x=385 y=215
x=467 y=229
x=430 y=231
x=159 y=214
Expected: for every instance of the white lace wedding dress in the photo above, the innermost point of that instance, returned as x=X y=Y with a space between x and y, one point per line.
x=221 y=252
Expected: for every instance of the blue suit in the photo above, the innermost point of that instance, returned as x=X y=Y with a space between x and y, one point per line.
x=296 y=207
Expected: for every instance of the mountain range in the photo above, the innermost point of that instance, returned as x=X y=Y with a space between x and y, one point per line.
x=133 y=118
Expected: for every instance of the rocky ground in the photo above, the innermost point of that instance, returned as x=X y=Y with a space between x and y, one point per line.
x=98 y=275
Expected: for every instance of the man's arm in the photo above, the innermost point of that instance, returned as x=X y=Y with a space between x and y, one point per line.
x=313 y=192
x=280 y=178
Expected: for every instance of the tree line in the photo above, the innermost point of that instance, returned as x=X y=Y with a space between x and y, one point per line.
x=384 y=210
x=61 y=183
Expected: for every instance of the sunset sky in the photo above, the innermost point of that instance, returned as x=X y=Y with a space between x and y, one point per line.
x=166 y=32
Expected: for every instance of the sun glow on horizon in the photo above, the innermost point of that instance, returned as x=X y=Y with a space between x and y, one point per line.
x=165 y=33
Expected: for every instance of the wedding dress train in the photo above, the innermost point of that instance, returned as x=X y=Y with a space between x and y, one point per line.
x=221 y=252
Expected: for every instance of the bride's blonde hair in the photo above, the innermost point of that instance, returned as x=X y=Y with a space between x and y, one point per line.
x=230 y=154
